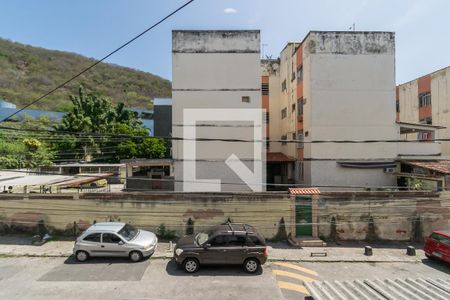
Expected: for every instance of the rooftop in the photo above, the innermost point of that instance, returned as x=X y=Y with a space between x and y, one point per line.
x=106 y=226
x=440 y=166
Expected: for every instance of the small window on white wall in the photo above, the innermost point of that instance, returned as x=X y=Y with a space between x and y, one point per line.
x=246 y=99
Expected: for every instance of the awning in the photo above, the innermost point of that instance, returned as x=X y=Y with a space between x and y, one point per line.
x=278 y=157
x=304 y=191
x=367 y=164
x=440 y=166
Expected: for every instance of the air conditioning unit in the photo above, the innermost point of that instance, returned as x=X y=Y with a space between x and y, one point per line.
x=389 y=170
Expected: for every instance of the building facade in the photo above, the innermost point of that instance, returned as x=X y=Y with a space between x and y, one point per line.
x=335 y=86
x=216 y=76
x=426 y=100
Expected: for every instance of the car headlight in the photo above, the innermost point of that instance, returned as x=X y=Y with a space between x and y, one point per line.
x=178 y=251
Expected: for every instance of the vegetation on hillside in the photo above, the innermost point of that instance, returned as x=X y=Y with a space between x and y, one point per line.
x=27 y=72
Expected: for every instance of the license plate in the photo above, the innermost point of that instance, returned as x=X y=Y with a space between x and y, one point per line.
x=437 y=254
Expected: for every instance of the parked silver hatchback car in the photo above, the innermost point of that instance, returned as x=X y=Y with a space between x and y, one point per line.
x=115 y=239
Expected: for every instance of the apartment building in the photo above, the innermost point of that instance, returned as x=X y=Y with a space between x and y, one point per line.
x=216 y=86
x=426 y=100
x=337 y=86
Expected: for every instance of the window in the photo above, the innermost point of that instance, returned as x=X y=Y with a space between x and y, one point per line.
x=293 y=108
x=93 y=237
x=284 y=113
x=300 y=108
x=428 y=121
x=301 y=138
x=397 y=106
x=425 y=99
x=293 y=76
x=294 y=136
x=254 y=241
x=110 y=238
x=299 y=73
x=246 y=99
x=440 y=238
x=266 y=117
x=235 y=240
x=283 y=138
x=283 y=85
x=267 y=145
x=265 y=89
x=218 y=241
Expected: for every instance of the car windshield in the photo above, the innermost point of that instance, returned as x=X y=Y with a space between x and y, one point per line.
x=128 y=232
x=201 y=238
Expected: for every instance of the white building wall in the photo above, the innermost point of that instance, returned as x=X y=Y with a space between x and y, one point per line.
x=349 y=84
x=409 y=103
x=440 y=106
x=215 y=69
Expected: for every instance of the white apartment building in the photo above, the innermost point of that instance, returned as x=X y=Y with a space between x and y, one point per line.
x=336 y=86
x=217 y=73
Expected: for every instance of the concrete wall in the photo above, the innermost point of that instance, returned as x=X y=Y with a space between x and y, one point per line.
x=21 y=212
x=397 y=216
x=213 y=70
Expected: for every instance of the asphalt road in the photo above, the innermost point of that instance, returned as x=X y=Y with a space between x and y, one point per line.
x=59 y=278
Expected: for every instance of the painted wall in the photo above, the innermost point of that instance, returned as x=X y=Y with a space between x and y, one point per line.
x=215 y=69
x=21 y=212
x=397 y=217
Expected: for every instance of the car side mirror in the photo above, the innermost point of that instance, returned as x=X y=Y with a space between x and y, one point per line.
x=120 y=243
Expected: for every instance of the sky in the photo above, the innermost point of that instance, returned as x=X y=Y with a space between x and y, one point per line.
x=94 y=28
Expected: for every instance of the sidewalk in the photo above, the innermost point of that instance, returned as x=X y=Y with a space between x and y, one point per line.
x=21 y=246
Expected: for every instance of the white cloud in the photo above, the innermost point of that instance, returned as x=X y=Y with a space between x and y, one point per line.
x=230 y=10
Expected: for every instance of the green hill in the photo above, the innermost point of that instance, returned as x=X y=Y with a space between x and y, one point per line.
x=27 y=72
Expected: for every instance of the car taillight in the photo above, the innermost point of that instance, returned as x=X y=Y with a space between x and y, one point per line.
x=265 y=251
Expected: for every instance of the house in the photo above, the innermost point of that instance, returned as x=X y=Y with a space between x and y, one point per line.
x=149 y=175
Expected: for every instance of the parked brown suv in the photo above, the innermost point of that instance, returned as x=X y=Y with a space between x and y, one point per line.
x=230 y=243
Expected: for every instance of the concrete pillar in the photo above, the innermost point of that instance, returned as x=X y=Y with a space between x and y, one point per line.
x=293 y=220
x=314 y=217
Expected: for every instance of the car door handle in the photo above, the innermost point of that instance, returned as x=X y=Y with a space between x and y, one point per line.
x=102 y=246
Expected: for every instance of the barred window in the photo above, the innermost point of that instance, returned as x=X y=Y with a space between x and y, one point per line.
x=425 y=99
x=265 y=89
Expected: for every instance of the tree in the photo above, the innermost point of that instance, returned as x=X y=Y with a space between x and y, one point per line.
x=38 y=154
x=103 y=128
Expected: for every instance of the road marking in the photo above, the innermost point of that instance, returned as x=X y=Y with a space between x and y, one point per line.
x=293 y=287
x=295 y=267
x=292 y=275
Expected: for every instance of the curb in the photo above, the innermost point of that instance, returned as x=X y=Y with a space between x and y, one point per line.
x=417 y=260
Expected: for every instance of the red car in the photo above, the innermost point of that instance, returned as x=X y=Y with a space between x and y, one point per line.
x=438 y=246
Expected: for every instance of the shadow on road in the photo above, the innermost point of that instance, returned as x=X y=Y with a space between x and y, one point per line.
x=97 y=269
x=437 y=264
x=102 y=260
x=172 y=268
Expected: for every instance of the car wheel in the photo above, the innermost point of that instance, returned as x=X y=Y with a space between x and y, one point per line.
x=251 y=265
x=81 y=256
x=135 y=256
x=191 y=265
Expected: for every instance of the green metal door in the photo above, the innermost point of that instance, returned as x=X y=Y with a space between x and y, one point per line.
x=303 y=215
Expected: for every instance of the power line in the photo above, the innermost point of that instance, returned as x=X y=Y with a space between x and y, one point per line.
x=99 y=61
x=288 y=141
